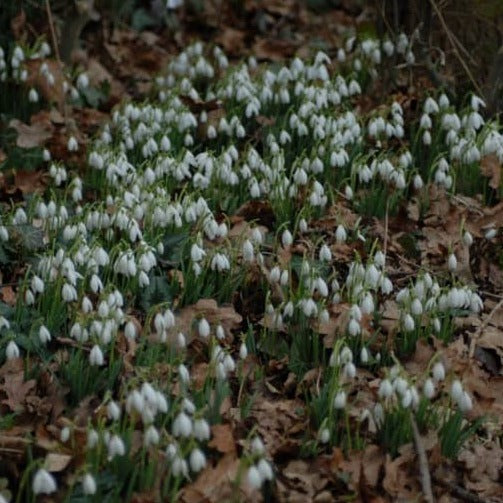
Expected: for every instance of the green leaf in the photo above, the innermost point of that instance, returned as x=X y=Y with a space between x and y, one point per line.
x=159 y=290
x=141 y=19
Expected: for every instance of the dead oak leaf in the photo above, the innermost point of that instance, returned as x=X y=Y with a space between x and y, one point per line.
x=30 y=136
x=16 y=389
x=222 y=439
x=490 y=166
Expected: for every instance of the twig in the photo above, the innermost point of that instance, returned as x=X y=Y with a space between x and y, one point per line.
x=56 y=52
x=483 y=325
x=53 y=32
x=459 y=492
x=385 y=246
x=423 y=463
x=455 y=47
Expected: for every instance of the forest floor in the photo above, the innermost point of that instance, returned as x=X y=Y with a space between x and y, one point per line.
x=270 y=271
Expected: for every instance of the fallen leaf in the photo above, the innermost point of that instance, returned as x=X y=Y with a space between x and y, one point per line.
x=490 y=166
x=30 y=136
x=222 y=439
x=56 y=462
x=16 y=389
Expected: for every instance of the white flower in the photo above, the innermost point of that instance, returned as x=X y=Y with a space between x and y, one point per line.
x=257 y=446
x=248 y=253
x=203 y=328
x=113 y=411
x=354 y=327
x=385 y=389
x=182 y=425
x=12 y=351
x=44 y=335
x=64 y=436
x=324 y=435
x=452 y=262
x=33 y=95
x=196 y=253
x=438 y=371
x=72 y=144
x=201 y=429
x=408 y=323
x=364 y=355
x=456 y=390
x=151 y=436
x=197 y=460
x=253 y=477
x=96 y=356
x=130 y=330
x=265 y=470
x=325 y=253
x=44 y=482
x=429 y=388
x=88 y=484
x=116 y=447
x=243 y=351
x=467 y=238
x=340 y=234
x=465 y=402
x=416 y=308
x=340 y=400
x=286 y=238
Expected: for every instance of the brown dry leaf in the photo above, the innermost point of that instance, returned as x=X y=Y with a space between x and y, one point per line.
x=215 y=484
x=16 y=389
x=280 y=423
x=30 y=136
x=301 y=481
x=396 y=482
x=56 y=462
x=223 y=315
x=490 y=166
x=232 y=40
x=30 y=182
x=275 y=50
x=8 y=295
x=222 y=439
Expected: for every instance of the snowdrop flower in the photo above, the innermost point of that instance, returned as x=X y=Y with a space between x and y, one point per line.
x=44 y=335
x=257 y=446
x=201 y=429
x=197 y=460
x=151 y=436
x=116 y=447
x=324 y=435
x=364 y=355
x=265 y=470
x=253 y=477
x=33 y=96
x=467 y=238
x=340 y=234
x=243 y=351
x=88 y=484
x=248 y=253
x=72 y=144
x=12 y=351
x=429 y=388
x=452 y=262
x=96 y=356
x=490 y=233
x=340 y=400
x=465 y=402
x=385 y=389
x=44 y=482
x=408 y=323
x=286 y=238
x=182 y=425
x=456 y=390
x=354 y=327
x=325 y=253
x=203 y=328
x=113 y=411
